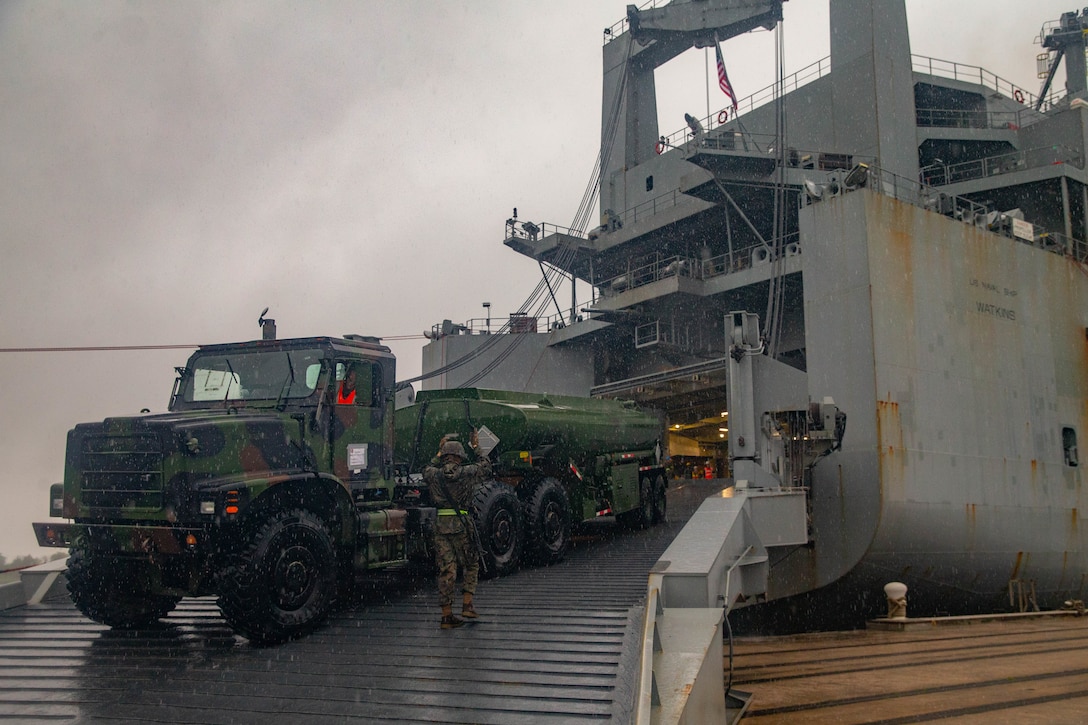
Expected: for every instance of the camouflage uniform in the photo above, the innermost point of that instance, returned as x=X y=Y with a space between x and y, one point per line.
x=453 y=542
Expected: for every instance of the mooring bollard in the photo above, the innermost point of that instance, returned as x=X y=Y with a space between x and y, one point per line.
x=896 y=593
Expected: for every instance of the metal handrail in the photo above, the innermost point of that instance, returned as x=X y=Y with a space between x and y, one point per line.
x=620 y=27
x=1064 y=245
x=942 y=174
x=693 y=267
x=525 y=229
x=976 y=74
x=960 y=118
x=822 y=67
x=763 y=96
x=646 y=684
x=650 y=207
x=963 y=209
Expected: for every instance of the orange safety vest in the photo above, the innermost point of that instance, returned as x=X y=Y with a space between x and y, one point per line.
x=342 y=399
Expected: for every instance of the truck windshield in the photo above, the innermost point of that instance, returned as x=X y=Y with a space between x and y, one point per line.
x=242 y=376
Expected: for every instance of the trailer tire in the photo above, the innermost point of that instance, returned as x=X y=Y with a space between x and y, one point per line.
x=660 y=500
x=284 y=581
x=113 y=592
x=645 y=516
x=642 y=516
x=547 y=522
x=496 y=512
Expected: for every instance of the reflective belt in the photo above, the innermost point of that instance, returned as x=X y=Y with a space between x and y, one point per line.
x=451 y=512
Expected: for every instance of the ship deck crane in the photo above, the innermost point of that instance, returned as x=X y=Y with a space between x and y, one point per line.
x=654 y=36
x=1066 y=40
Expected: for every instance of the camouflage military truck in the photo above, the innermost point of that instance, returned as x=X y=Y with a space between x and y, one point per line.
x=273 y=483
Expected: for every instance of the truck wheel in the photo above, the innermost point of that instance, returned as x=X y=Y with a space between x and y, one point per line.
x=497 y=514
x=660 y=502
x=282 y=583
x=114 y=592
x=547 y=516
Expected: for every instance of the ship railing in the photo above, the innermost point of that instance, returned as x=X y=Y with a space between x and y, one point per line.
x=516 y=322
x=620 y=27
x=963 y=209
x=924 y=195
x=650 y=207
x=941 y=174
x=736 y=260
x=766 y=144
x=747 y=257
x=648 y=272
x=978 y=119
x=720 y=117
x=822 y=67
x=517 y=229
x=1062 y=244
x=975 y=74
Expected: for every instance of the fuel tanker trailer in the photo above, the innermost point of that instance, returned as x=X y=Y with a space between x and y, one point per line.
x=557 y=460
x=280 y=474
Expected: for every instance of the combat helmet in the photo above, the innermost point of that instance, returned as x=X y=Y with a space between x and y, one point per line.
x=452 y=448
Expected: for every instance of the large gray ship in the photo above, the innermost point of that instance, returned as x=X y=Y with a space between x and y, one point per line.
x=911 y=233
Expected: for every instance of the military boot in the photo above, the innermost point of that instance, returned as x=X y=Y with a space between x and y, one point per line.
x=449 y=619
x=467 y=610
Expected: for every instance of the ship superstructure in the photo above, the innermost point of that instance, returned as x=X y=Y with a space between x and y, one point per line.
x=911 y=233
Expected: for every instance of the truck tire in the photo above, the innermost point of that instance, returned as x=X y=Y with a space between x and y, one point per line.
x=660 y=501
x=497 y=514
x=282 y=582
x=547 y=522
x=114 y=592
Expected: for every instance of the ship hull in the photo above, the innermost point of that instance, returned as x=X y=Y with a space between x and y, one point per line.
x=962 y=359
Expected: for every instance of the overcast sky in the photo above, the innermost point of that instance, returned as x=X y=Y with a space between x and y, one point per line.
x=170 y=169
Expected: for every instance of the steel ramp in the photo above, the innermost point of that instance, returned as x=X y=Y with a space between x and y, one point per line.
x=553 y=645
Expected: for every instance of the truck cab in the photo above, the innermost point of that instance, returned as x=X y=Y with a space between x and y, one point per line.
x=268 y=479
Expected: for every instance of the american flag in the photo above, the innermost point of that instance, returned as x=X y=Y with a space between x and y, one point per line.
x=723 y=77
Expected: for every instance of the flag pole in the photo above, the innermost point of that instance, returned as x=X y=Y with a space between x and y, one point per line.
x=706 y=69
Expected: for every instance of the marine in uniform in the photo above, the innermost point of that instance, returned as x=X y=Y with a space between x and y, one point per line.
x=452 y=483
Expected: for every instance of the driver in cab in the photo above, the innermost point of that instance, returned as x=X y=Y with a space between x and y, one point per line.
x=346 y=394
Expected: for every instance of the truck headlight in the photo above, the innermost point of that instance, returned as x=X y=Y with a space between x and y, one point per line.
x=207 y=507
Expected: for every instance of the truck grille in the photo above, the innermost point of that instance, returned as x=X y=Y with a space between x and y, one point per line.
x=122 y=472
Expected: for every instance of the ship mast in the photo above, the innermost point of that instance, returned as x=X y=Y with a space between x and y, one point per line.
x=651 y=38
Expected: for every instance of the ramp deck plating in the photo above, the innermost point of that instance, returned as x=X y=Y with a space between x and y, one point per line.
x=551 y=647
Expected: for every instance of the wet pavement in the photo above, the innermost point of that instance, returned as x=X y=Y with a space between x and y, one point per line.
x=554 y=645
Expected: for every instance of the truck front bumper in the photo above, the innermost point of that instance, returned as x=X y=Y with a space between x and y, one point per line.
x=127 y=538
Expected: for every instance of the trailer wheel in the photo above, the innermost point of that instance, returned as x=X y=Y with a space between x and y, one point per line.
x=283 y=582
x=547 y=516
x=497 y=514
x=660 y=501
x=642 y=516
x=114 y=592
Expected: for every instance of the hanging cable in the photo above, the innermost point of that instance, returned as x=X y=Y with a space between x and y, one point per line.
x=776 y=283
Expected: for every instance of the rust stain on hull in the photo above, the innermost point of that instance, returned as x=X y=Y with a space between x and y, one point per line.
x=1016 y=567
x=890 y=442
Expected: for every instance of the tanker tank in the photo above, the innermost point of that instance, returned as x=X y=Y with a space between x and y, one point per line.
x=560 y=426
x=558 y=460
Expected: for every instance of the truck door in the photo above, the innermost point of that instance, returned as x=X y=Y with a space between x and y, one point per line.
x=356 y=429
